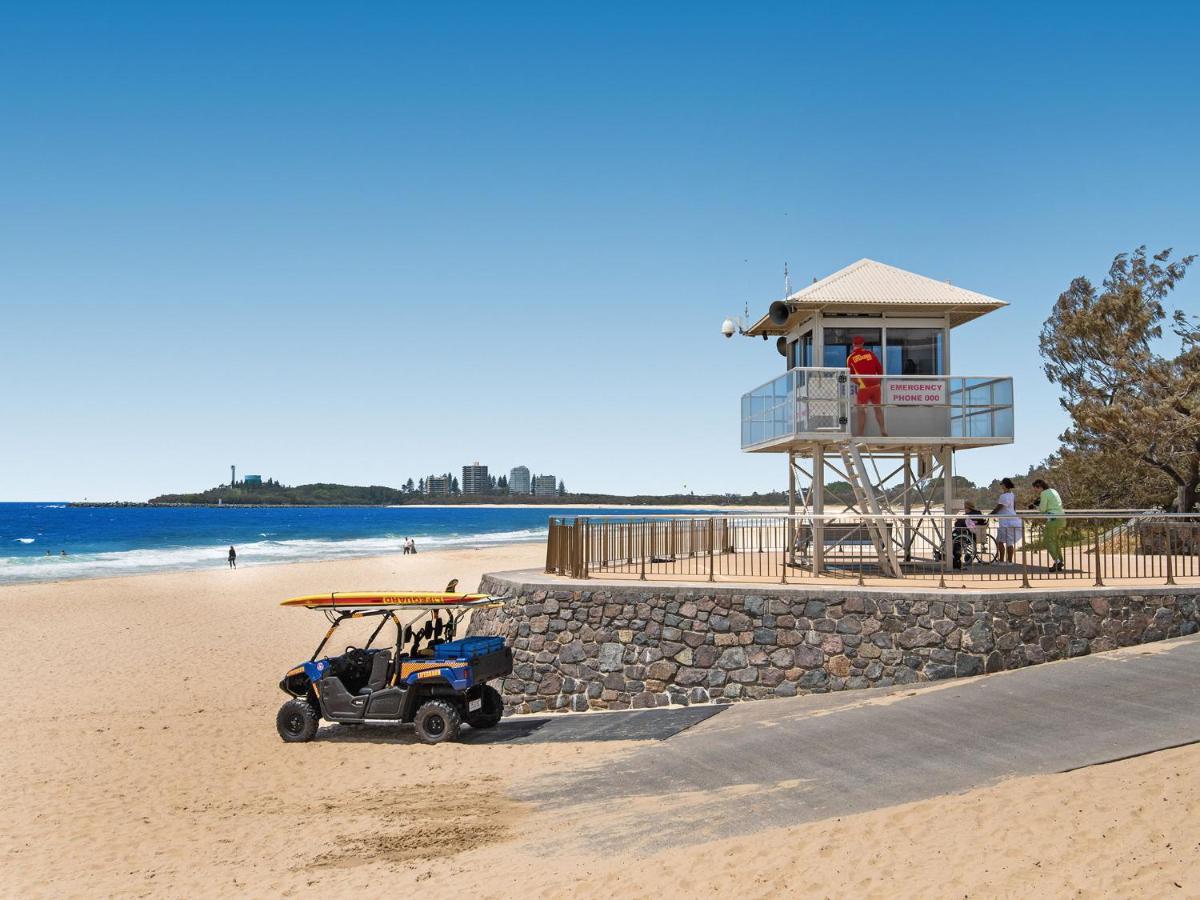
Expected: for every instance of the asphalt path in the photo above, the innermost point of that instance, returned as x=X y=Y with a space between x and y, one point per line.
x=788 y=761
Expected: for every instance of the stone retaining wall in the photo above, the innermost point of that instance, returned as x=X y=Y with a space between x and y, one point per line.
x=581 y=645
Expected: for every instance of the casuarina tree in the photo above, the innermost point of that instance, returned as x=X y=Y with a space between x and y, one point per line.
x=1131 y=387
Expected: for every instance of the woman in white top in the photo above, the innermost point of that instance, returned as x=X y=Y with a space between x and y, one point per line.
x=1009 y=531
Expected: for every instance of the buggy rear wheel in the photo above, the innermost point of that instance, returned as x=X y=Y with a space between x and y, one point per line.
x=437 y=722
x=297 y=721
x=490 y=711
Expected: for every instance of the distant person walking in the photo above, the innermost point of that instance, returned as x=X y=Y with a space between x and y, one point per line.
x=412 y=546
x=232 y=558
x=1049 y=504
x=407 y=548
x=1009 y=531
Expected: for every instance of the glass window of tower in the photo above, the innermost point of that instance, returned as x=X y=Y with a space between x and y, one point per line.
x=914 y=351
x=840 y=341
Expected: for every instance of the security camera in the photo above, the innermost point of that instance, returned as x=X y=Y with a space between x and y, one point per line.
x=728 y=328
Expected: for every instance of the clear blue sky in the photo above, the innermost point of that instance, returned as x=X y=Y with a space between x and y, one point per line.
x=362 y=242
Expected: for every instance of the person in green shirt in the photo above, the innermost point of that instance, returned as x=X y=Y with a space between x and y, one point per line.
x=1049 y=503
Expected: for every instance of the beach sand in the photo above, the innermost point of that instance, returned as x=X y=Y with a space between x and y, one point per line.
x=141 y=759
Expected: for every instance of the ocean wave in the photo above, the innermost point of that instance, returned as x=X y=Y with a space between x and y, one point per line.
x=53 y=506
x=132 y=562
x=25 y=540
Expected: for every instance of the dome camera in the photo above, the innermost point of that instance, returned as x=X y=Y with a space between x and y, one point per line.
x=728 y=328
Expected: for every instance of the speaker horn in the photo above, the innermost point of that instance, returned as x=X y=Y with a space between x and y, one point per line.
x=779 y=312
x=781 y=346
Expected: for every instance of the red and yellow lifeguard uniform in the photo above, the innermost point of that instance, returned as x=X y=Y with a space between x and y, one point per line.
x=862 y=363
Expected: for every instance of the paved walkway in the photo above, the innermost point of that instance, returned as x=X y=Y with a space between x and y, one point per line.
x=783 y=762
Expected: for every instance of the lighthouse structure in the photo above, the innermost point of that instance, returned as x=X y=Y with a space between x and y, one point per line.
x=867 y=397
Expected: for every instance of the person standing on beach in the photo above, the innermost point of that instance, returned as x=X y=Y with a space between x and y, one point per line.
x=1049 y=503
x=1009 y=530
x=232 y=558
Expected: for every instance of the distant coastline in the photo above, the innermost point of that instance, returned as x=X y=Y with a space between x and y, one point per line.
x=765 y=501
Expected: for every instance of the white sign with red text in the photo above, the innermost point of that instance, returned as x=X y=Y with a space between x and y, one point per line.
x=915 y=393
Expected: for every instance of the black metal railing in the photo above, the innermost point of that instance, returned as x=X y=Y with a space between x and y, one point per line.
x=1081 y=547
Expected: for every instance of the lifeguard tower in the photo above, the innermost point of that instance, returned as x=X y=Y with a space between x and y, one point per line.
x=808 y=412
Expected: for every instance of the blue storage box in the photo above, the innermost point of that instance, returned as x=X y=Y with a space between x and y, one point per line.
x=468 y=648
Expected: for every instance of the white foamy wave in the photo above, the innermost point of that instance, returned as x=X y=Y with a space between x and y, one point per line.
x=133 y=562
x=53 y=506
x=25 y=540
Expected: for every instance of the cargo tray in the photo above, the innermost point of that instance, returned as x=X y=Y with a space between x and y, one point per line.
x=470 y=648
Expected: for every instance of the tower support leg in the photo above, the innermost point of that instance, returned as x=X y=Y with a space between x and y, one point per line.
x=907 y=506
x=818 y=508
x=789 y=556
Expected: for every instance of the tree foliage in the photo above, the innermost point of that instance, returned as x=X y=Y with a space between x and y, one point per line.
x=1134 y=404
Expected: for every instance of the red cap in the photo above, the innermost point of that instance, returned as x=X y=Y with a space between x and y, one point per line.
x=858 y=340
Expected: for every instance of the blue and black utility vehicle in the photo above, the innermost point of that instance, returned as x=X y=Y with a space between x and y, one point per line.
x=428 y=677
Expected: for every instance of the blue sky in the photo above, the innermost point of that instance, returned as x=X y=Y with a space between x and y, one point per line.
x=362 y=242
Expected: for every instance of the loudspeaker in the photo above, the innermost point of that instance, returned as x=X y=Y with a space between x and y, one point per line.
x=779 y=312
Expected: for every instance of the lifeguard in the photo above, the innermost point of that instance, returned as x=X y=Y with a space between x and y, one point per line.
x=865 y=369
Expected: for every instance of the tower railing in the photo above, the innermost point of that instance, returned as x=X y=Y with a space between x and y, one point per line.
x=819 y=404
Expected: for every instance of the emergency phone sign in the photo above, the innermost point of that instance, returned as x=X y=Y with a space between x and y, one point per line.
x=916 y=393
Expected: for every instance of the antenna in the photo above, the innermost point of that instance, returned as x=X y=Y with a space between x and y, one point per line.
x=787 y=282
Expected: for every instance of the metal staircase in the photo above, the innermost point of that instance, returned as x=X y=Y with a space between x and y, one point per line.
x=868 y=502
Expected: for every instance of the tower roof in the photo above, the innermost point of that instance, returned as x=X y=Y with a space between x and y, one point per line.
x=871 y=286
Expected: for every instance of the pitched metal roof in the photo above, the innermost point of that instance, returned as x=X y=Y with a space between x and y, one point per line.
x=876 y=287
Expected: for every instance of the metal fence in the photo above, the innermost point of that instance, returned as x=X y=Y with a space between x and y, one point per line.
x=1084 y=547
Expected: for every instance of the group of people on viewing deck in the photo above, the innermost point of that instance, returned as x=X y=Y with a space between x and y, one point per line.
x=970 y=527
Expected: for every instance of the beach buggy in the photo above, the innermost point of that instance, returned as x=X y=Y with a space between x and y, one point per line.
x=429 y=677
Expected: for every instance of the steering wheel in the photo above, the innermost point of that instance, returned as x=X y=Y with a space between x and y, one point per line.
x=356 y=658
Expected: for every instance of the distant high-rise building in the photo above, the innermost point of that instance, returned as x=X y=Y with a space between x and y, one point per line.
x=437 y=486
x=545 y=486
x=518 y=481
x=475 y=479
x=252 y=479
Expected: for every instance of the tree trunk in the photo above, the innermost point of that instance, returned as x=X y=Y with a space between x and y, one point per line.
x=1186 y=496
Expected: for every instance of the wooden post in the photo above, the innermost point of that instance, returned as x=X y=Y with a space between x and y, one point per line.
x=1170 y=556
x=1099 y=558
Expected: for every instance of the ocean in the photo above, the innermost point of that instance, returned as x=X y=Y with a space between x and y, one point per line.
x=105 y=541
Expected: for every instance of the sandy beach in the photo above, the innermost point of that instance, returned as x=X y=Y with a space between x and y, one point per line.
x=143 y=761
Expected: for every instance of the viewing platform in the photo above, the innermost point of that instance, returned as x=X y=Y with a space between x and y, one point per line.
x=808 y=406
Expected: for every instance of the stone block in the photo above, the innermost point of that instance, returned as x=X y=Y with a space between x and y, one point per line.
x=809 y=657
x=765 y=636
x=611 y=657
x=838 y=666
x=572 y=652
x=733 y=658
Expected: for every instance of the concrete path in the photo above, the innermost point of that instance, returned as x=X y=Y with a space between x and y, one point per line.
x=633 y=725
x=783 y=762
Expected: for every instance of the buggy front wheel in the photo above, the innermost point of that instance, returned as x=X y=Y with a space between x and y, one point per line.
x=437 y=722
x=297 y=721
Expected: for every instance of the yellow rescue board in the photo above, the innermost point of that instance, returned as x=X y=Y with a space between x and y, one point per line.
x=368 y=599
